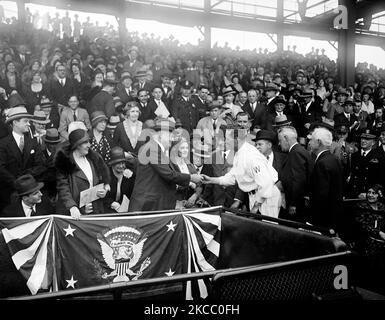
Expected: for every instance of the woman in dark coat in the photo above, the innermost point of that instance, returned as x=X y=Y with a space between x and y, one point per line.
x=12 y=80
x=122 y=182
x=127 y=133
x=78 y=169
x=370 y=217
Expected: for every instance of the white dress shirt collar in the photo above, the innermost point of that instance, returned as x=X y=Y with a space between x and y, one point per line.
x=27 y=209
x=318 y=155
x=17 y=137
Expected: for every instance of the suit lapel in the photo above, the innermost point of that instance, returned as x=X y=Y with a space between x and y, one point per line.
x=15 y=148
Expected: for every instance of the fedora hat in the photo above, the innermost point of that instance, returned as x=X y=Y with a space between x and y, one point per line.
x=133 y=48
x=126 y=76
x=47 y=104
x=215 y=104
x=97 y=116
x=324 y=123
x=113 y=122
x=111 y=83
x=16 y=113
x=141 y=73
x=281 y=121
x=266 y=135
x=52 y=136
x=27 y=184
x=77 y=137
x=116 y=156
x=279 y=99
x=306 y=93
x=15 y=100
x=228 y=90
x=164 y=124
x=39 y=117
x=342 y=91
x=350 y=102
x=271 y=87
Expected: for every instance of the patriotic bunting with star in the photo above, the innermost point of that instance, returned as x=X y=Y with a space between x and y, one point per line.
x=95 y=250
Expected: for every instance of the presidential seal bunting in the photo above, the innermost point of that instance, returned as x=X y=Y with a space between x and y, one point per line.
x=61 y=253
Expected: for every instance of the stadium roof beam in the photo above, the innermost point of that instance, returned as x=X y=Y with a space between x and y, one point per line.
x=192 y=18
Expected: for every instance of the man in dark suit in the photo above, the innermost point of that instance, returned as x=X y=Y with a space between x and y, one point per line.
x=199 y=101
x=295 y=175
x=19 y=154
x=326 y=183
x=156 y=188
x=255 y=109
x=30 y=201
x=142 y=82
x=124 y=88
x=184 y=109
x=347 y=118
x=103 y=101
x=147 y=110
x=271 y=91
x=310 y=112
x=22 y=58
x=60 y=88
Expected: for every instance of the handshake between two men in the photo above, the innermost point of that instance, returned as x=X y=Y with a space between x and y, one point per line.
x=202 y=178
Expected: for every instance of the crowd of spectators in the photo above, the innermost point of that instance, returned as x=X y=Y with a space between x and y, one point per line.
x=73 y=93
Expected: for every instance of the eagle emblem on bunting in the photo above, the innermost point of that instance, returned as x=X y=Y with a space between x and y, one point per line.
x=122 y=248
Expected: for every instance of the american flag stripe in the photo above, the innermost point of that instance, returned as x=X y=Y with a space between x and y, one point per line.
x=21 y=244
x=208 y=238
x=201 y=285
x=40 y=267
x=22 y=230
x=210 y=257
x=213 y=219
x=203 y=264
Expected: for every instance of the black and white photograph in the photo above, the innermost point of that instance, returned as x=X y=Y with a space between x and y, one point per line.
x=203 y=153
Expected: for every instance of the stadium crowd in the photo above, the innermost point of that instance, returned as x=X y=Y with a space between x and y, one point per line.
x=81 y=108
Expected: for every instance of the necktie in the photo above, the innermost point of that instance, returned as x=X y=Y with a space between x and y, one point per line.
x=253 y=107
x=268 y=157
x=364 y=153
x=21 y=144
x=62 y=82
x=74 y=113
x=118 y=189
x=215 y=125
x=33 y=212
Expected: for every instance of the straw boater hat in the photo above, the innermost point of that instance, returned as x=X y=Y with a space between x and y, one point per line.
x=16 y=113
x=228 y=90
x=306 y=93
x=324 y=123
x=271 y=87
x=40 y=118
x=281 y=121
x=164 y=124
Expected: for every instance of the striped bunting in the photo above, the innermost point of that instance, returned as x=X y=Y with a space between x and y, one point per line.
x=203 y=242
x=28 y=244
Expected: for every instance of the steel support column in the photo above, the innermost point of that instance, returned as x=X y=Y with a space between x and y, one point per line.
x=280 y=31
x=207 y=25
x=346 y=46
